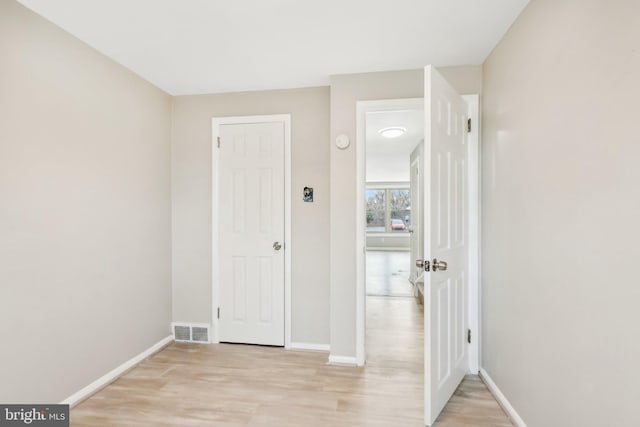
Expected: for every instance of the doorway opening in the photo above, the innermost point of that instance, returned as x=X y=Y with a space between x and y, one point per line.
x=450 y=209
x=392 y=138
x=394 y=316
x=384 y=203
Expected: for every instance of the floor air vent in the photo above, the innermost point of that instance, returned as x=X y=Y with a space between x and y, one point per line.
x=188 y=332
x=199 y=334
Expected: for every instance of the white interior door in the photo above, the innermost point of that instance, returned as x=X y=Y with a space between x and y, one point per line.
x=251 y=232
x=416 y=162
x=446 y=242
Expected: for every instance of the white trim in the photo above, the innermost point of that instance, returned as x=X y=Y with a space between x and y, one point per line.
x=342 y=360
x=215 y=232
x=388 y=185
x=364 y=107
x=305 y=346
x=389 y=248
x=473 y=105
x=388 y=234
x=502 y=400
x=116 y=373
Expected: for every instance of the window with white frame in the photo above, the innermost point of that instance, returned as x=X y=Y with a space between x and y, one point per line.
x=388 y=208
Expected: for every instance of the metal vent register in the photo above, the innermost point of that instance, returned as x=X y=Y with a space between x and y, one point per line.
x=191 y=333
x=182 y=333
x=199 y=334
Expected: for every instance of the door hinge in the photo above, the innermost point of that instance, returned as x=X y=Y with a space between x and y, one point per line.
x=468 y=126
x=218 y=312
x=218 y=142
x=469 y=336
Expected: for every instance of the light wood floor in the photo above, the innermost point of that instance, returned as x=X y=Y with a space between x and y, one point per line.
x=234 y=385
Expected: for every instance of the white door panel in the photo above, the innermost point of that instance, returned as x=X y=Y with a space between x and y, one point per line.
x=446 y=239
x=251 y=221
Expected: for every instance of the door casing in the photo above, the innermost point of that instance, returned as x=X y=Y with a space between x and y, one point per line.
x=216 y=122
x=362 y=108
x=416 y=169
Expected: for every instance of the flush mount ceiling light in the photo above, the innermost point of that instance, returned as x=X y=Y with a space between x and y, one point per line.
x=392 y=132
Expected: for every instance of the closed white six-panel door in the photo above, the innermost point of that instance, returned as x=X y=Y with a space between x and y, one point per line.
x=251 y=232
x=446 y=219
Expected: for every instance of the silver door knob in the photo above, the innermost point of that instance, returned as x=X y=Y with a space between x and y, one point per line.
x=423 y=264
x=439 y=265
x=277 y=246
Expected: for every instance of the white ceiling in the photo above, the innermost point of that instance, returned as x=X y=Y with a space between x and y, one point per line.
x=211 y=46
x=387 y=159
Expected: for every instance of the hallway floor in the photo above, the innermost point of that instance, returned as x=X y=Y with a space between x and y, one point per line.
x=230 y=385
x=388 y=273
x=395 y=335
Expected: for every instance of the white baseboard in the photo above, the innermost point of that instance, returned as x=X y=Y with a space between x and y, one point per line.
x=114 y=374
x=309 y=346
x=342 y=360
x=388 y=248
x=502 y=400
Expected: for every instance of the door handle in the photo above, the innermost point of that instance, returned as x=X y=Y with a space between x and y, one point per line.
x=277 y=246
x=439 y=265
x=423 y=264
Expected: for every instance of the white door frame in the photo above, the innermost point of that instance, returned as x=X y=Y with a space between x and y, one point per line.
x=475 y=284
x=362 y=108
x=216 y=122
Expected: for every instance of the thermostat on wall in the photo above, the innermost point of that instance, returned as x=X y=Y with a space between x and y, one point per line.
x=342 y=141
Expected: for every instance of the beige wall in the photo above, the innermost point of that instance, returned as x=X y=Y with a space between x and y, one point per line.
x=346 y=91
x=84 y=211
x=560 y=214
x=191 y=183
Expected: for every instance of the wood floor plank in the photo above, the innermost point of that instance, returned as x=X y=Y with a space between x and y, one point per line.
x=251 y=386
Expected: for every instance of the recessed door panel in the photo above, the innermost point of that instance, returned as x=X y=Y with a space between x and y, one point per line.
x=265 y=197
x=238 y=205
x=443 y=308
x=266 y=288
x=239 y=285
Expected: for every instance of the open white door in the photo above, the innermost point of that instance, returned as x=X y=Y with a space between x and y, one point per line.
x=446 y=246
